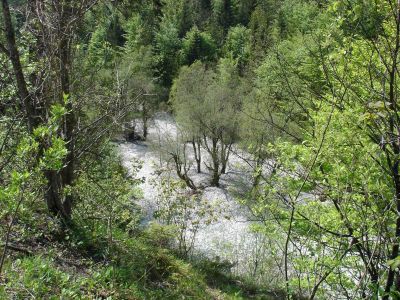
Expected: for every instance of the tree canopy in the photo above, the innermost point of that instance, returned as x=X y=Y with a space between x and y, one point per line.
x=290 y=109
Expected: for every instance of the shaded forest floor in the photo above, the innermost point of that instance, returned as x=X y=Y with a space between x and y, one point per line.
x=76 y=264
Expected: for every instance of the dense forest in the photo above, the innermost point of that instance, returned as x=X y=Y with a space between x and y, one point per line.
x=199 y=149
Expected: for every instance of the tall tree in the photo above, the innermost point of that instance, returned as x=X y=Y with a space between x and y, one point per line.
x=54 y=25
x=207 y=104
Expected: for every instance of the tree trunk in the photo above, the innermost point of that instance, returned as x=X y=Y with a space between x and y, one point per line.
x=225 y=152
x=395 y=247
x=14 y=56
x=68 y=171
x=53 y=194
x=215 y=178
x=145 y=129
x=145 y=119
x=216 y=163
x=213 y=152
x=197 y=153
x=396 y=150
x=181 y=171
x=257 y=175
x=57 y=202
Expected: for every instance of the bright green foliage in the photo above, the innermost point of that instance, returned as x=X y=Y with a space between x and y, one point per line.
x=224 y=13
x=365 y=18
x=107 y=36
x=41 y=277
x=106 y=188
x=237 y=46
x=223 y=101
x=182 y=14
x=306 y=91
x=197 y=45
x=187 y=90
x=207 y=104
x=134 y=32
x=297 y=16
x=166 y=48
x=279 y=98
x=22 y=185
x=332 y=166
x=142 y=268
x=261 y=27
x=206 y=101
x=337 y=171
x=99 y=48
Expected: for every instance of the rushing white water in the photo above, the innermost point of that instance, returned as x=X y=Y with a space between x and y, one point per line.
x=228 y=235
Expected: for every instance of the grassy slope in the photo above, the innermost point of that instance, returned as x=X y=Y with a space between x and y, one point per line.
x=139 y=266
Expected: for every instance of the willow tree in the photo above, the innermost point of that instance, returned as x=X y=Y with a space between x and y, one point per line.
x=186 y=94
x=207 y=105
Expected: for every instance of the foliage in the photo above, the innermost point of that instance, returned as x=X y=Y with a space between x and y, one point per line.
x=237 y=46
x=307 y=90
x=197 y=45
x=184 y=212
x=165 y=59
x=141 y=268
x=207 y=105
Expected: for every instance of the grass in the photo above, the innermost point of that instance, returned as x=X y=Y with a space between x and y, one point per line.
x=140 y=266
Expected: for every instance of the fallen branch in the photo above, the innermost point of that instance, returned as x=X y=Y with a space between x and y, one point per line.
x=18 y=249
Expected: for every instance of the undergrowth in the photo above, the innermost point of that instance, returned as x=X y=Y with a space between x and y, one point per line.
x=138 y=266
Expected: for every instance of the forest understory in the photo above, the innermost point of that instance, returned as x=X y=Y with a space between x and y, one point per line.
x=200 y=149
